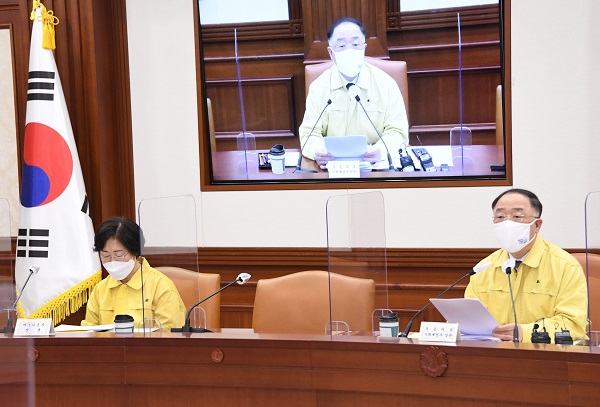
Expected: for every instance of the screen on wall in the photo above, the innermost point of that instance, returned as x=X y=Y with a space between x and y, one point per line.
x=439 y=119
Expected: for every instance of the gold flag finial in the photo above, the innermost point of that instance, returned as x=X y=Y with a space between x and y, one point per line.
x=49 y=20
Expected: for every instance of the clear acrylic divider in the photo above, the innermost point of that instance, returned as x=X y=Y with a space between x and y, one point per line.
x=170 y=244
x=150 y=325
x=17 y=372
x=461 y=142
x=592 y=264
x=356 y=247
x=247 y=165
x=7 y=277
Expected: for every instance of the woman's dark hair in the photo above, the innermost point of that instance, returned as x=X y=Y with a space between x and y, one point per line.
x=344 y=20
x=534 y=201
x=126 y=231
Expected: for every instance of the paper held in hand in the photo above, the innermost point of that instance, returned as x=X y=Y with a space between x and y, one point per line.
x=474 y=320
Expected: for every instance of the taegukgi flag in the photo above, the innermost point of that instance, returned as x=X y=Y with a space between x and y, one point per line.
x=55 y=229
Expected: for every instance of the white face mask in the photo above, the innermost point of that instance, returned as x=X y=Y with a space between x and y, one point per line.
x=349 y=61
x=513 y=236
x=119 y=269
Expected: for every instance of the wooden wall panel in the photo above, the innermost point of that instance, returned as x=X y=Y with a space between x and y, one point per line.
x=435 y=99
x=414 y=275
x=268 y=109
x=318 y=16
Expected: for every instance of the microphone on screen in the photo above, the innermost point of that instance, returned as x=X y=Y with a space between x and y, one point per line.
x=354 y=92
x=507 y=267
x=478 y=268
x=241 y=279
x=298 y=169
x=9 y=328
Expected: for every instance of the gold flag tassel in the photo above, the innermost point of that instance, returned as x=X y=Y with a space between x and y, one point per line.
x=49 y=20
x=66 y=303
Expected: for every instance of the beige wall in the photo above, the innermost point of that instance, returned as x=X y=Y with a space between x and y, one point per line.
x=9 y=184
x=556 y=139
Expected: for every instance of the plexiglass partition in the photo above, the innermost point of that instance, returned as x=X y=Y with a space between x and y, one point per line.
x=17 y=374
x=461 y=144
x=169 y=228
x=357 y=263
x=8 y=292
x=592 y=266
x=7 y=277
x=247 y=156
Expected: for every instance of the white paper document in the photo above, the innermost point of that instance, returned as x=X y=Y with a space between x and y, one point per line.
x=474 y=320
x=96 y=328
x=346 y=147
x=79 y=328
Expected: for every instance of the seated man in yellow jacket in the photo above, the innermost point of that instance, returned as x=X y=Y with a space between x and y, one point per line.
x=118 y=241
x=549 y=286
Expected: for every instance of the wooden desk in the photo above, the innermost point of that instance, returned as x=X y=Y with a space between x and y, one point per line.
x=239 y=166
x=245 y=369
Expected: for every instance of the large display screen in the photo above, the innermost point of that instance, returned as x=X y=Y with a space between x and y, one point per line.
x=254 y=86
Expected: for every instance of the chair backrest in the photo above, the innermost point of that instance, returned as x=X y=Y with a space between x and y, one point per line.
x=396 y=69
x=211 y=126
x=593 y=285
x=193 y=287
x=299 y=302
x=499 y=117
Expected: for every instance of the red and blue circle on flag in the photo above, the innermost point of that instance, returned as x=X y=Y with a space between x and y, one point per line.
x=47 y=165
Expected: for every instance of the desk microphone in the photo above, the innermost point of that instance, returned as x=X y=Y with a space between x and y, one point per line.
x=354 y=92
x=9 y=324
x=241 y=279
x=475 y=270
x=298 y=169
x=507 y=266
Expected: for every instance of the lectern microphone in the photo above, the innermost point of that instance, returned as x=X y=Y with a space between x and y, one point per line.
x=298 y=169
x=241 y=279
x=9 y=328
x=354 y=92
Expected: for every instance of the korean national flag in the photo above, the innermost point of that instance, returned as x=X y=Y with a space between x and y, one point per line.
x=55 y=229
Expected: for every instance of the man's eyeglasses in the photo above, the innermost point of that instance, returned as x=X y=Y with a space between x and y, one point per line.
x=514 y=218
x=342 y=47
x=115 y=257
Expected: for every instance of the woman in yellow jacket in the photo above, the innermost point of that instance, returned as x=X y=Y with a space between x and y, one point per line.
x=118 y=242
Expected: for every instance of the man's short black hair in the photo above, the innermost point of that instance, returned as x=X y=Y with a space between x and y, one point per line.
x=533 y=199
x=126 y=231
x=344 y=20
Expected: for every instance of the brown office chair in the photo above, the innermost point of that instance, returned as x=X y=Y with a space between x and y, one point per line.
x=193 y=287
x=211 y=126
x=593 y=285
x=499 y=117
x=396 y=69
x=299 y=303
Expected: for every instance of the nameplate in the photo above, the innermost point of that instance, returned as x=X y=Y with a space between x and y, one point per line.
x=343 y=169
x=34 y=327
x=439 y=332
